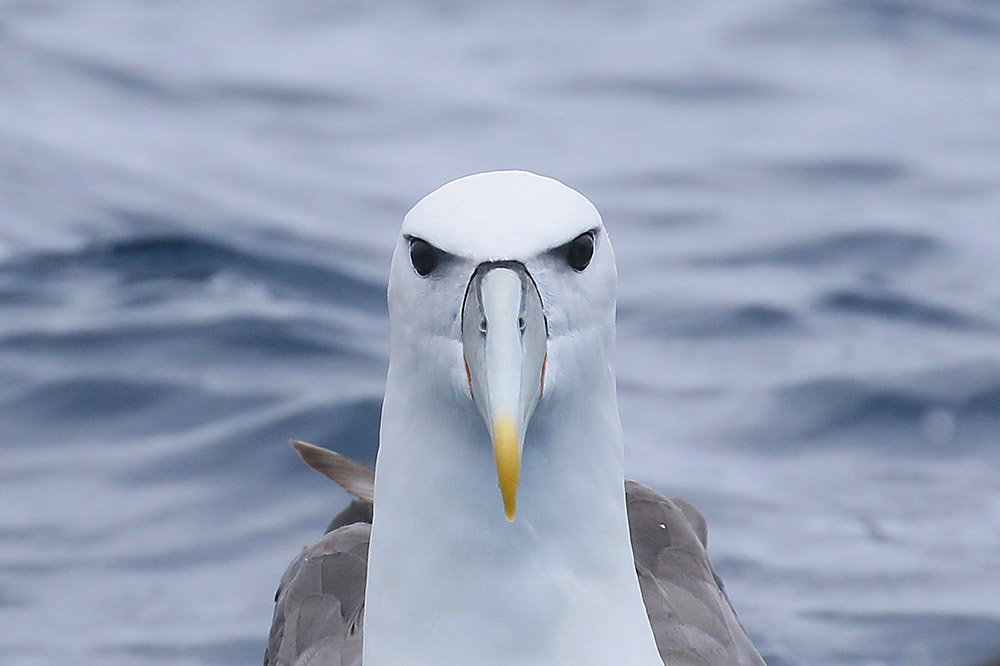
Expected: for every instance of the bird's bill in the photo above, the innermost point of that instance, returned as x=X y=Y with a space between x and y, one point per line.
x=507 y=451
x=504 y=340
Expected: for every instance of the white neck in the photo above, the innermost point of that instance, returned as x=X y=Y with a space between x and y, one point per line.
x=452 y=582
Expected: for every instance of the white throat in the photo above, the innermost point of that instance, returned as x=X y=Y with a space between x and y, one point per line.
x=451 y=582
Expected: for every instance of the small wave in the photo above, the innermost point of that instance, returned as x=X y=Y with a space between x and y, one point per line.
x=869 y=251
x=732 y=321
x=891 y=20
x=953 y=410
x=842 y=171
x=230 y=339
x=943 y=637
x=903 y=17
x=899 y=307
x=112 y=409
x=182 y=259
x=699 y=89
x=260 y=444
x=283 y=95
x=126 y=80
x=231 y=651
x=24 y=295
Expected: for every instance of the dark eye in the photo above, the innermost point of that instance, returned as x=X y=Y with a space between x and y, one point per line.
x=580 y=250
x=423 y=256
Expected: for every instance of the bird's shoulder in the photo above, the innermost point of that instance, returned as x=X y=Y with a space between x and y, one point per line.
x=692 y=618
x=319 y=605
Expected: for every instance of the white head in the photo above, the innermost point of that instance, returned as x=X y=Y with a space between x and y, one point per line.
x=502 y=288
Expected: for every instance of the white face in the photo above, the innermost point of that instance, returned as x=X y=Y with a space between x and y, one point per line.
x=498 y=281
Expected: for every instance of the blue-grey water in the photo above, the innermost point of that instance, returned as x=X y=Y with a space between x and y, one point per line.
x=197 y=206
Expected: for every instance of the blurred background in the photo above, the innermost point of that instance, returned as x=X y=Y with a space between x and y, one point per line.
x=198 y=202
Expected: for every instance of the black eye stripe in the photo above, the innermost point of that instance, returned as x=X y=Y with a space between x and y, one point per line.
x=424 y=257
x=580 y=251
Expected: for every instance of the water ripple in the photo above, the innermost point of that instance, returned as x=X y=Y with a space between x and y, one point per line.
x=350 y=428
x=700 y=89
x=953 y=410
x=705 y=323
x=176 y=258
x=900 y=307
x=868 y=251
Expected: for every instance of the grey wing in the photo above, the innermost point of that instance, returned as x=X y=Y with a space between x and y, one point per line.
x=319 y=607
x=693 y=621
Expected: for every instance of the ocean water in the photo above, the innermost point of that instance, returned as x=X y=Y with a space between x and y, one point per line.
x=198 y=202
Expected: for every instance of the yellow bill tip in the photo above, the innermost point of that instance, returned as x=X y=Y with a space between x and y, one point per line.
x=507 y=451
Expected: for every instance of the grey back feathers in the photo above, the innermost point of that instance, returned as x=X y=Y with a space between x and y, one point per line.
x=319 y=609
x=692 y=618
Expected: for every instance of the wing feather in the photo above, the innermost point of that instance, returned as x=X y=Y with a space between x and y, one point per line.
x=319 y=607
x=692 y=618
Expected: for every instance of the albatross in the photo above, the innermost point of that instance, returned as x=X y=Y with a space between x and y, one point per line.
x=497 y=526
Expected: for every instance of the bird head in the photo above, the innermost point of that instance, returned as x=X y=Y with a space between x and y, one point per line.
x=501 y=284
